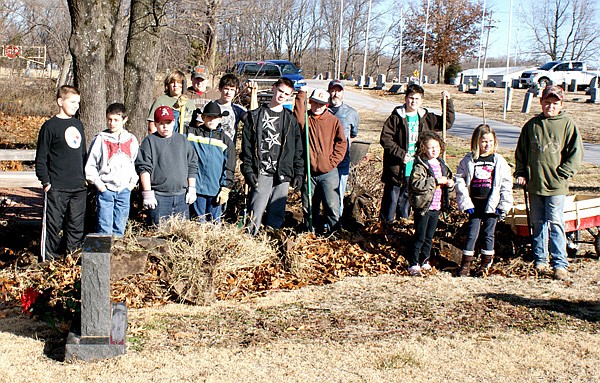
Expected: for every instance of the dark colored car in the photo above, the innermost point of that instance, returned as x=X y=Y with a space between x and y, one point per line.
x=270 y=69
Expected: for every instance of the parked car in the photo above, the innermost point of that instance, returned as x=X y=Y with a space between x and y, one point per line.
x=267 y=71
x=557 y=72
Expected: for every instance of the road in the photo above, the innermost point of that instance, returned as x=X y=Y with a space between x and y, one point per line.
x=463 y=125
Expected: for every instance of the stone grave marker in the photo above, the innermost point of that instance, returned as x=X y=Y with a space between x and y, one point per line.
x=327 y=75
x=380 y=81
x=397 y=88
x=463 y=88
x=535 y=90
x=360 y=81
x=527 y=102
x=594 y=96
x=573 y=86
x=369 y=82
x=509 y=97
x=103 y=324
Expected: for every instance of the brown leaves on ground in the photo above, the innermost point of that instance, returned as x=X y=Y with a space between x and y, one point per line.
x=19 y=131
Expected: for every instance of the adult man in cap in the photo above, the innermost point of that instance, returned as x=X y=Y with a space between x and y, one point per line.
x=348 y=117
x=328 y=146
x=198 y=93
x=271 y=157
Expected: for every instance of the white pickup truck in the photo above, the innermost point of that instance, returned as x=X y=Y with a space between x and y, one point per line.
x=557 y=72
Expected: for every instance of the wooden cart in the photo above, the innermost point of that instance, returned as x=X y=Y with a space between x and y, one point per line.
x=582 y=212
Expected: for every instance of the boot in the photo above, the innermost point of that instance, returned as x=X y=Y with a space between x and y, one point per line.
x=465 y=265
x=487 y=258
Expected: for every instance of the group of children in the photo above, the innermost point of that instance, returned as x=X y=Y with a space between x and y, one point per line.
x=196 y=168
x=549 y=152
x=175 y=170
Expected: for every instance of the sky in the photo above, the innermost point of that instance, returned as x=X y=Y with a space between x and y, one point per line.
x=499 y=34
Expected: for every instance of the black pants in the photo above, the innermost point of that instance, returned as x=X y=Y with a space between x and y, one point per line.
x=65 y=211
x=425 y=226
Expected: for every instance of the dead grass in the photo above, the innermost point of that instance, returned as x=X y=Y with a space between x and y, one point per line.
x=388 y=328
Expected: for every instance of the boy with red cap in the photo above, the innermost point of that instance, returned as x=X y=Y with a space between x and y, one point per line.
x=549 y=152
x=167 y=165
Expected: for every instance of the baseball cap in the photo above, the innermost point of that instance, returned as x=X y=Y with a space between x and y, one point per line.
x=320 y=96
x=333 y=83
x=163 y=113
x=212 y=109
x=200 y=71
x=553 y=91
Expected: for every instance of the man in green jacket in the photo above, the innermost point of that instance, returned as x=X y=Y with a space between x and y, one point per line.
x=549 y=152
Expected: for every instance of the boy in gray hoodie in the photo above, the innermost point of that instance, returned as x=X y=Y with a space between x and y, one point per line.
x=111 y=168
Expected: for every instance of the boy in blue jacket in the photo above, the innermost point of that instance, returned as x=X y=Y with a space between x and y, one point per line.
x=216 y=162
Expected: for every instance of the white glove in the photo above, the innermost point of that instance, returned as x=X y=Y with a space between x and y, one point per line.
x=223 y=196
x=190 y=196
x=150 y=201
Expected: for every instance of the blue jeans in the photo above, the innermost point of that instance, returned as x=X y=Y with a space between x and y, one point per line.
x=484 y=221
x=394 y=202
x=425 y=226
x=168 y=205
x=325 y=190
x=206 y=209
x=547 y=220
x=113 y=211
x=268 y=199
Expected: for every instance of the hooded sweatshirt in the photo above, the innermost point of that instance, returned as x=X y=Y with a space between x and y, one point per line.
x=548 y=153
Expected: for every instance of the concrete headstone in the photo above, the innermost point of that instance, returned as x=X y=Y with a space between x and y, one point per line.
x=99 y=318
x=527 y=102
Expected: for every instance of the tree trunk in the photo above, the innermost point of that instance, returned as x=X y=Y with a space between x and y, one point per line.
x=141 y=60
x=88 y=43
x=115 y=55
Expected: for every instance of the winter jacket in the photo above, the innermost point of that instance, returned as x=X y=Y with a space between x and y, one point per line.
x=348 y=117
x=328 y=144
x=422 y=186
x=500 y=198
x=111 y=161
x=394 y=138
x=548 y=153
x=216 y=159
x=290 y=162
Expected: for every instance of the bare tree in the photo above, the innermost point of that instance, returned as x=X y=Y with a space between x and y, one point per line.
x=451 y=35
x=564 y=29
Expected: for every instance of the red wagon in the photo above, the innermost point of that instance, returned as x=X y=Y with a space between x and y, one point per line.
x=581 y=212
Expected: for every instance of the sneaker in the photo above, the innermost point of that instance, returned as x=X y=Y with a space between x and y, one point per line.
x=560 y=274
x=426 y=267
x=541 y=267
x=415 y=271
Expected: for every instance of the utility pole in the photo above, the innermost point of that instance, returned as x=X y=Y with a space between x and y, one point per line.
x=338 y=68
x=479 y=74
x=487 y=41
x=424 y=40
x=362 y=84
x=400 y=48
